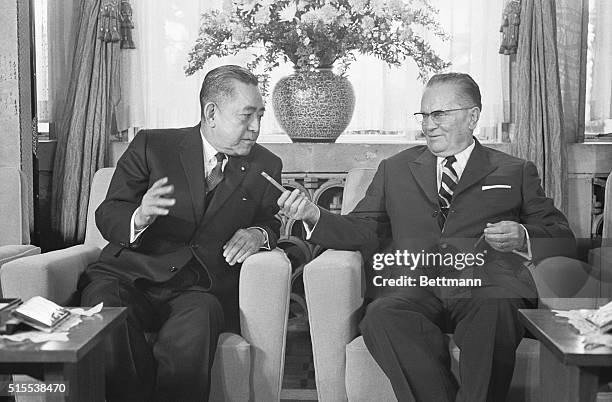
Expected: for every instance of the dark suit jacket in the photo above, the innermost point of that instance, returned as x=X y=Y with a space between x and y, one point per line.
x=191 y=229
x=401 y=204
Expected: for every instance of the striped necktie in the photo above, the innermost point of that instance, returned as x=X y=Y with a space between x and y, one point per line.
x=447 y=184
x=216 y=175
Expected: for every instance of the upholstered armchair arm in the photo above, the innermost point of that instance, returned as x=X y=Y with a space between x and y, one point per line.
x=52 y=275
x=265 y=285
x=565 y=283
x=333 y=288
x=601 y=258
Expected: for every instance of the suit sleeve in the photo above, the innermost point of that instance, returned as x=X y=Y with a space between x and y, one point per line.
x=266 y=218
x=548 y=229
x=127 y=187
x=364 y=227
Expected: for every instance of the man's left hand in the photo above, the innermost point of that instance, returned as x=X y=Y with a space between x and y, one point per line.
x=505 y=236
x=243 y=244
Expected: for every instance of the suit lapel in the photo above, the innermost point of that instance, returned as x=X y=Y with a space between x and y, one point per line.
x=234 y=173
x=477 y=167
x=423 y=170
x=192 y=159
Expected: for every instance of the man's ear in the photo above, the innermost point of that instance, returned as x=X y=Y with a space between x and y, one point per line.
x=474 y=117
x=208 y=114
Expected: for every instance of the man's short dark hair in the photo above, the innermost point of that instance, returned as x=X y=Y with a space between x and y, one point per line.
x=468 y=88
x=218 y=84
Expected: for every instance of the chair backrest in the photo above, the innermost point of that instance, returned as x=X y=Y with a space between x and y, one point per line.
x=357 y=182
x=607 y=214
x=14 y=211
x=99 y=188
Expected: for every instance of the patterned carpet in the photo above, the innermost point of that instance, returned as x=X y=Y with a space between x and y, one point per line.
x=299 y=379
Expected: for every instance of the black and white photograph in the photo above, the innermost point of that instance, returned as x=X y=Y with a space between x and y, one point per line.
x=306 y=200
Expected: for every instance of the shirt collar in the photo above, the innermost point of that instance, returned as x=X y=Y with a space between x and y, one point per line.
x=209 y=150
x=462 y=157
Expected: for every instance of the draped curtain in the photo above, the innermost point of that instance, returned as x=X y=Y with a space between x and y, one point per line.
x=539 y=111
x=569 y=42
x=83 y=119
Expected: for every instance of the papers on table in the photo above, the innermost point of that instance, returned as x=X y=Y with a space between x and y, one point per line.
x=60 y=332
x=593 y=324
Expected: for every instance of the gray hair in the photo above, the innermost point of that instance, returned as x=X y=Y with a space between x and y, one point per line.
x=467 y=86
x=218 y=84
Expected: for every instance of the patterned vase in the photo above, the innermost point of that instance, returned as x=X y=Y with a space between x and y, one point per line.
x=315 y=106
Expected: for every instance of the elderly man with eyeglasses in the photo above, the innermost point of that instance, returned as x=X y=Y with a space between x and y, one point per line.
x=456 y=224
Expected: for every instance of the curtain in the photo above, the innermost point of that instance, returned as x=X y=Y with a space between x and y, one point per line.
x=473 y=26
x=61 y=31
x=157 y=94
x=539 y=111
x=84 y=121
x=569 y=37
x=598 y=105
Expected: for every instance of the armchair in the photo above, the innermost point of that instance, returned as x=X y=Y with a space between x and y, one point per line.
x=247 y=367
x=333 y=284
x=14 y=207
x=602 y=256
x=15 y=234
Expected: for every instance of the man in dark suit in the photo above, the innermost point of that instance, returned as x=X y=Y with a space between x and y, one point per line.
x=184 y=209
x=452 y=197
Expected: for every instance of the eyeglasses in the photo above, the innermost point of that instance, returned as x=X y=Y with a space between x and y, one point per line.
x=437 y=116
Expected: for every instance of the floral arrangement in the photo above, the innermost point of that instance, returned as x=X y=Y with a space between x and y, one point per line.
x=318 y=33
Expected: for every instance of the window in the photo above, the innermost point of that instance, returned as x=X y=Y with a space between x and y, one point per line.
x=42 y=65
x=598 y=96
x=156 y=93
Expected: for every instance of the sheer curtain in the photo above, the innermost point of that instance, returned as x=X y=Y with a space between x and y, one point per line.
x=155 y=91
x=157 y=94
x=598 y=106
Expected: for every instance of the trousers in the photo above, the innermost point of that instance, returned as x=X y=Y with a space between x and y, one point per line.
x=175 y=363
x=404 y=332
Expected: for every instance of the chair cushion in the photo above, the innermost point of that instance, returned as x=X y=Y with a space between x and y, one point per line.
x=231 y=368
x=10 y=253
x=365 y=381
x=14 y=213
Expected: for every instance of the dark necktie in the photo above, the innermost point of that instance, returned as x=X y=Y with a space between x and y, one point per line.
x=447 y=186
x=216 y=175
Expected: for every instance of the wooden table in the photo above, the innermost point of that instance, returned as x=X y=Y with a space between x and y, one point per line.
x=568 y=371
x=79 y=362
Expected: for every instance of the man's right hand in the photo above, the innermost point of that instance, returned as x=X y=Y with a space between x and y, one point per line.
x=154 y=203
x=295 y=205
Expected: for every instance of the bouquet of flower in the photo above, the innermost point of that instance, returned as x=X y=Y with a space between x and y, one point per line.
x=318 y=33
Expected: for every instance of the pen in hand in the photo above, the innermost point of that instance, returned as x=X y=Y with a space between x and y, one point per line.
x=274 y=182
x=479 y=240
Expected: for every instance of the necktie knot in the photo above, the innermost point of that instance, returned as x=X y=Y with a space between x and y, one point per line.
x=220 y=156
x=449 y=160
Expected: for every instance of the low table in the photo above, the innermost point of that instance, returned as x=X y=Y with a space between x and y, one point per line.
x=568 y=371
x=79 y=362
